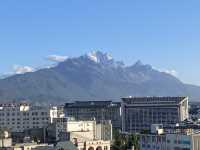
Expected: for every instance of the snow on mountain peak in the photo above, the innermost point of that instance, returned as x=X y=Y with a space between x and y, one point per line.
x=109 y=56
x=93 y=56
x=99 y=57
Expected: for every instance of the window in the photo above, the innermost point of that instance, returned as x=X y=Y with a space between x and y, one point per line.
x=177 y=148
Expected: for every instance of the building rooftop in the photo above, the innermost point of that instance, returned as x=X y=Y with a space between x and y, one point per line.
x=67 y=145
x=153 y=100
x=92 y=104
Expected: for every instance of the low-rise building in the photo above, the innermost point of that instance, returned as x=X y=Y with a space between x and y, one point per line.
x=93 y=145
x=178 y=138
x=67 y=145
x=84 y=134
x=74 y=128
x=28 y=146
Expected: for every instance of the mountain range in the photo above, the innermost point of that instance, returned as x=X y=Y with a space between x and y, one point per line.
x=93 y=76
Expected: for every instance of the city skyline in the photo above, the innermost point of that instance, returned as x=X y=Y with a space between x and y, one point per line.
x=162 y=34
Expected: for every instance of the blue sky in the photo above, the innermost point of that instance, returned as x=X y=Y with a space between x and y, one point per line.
x=165 y=34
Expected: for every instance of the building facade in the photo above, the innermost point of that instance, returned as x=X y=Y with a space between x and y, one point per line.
x=63 y=128
x=104 y=130
x=86 y=135
x=138 y=113
x=98 y=110
x=179 y=139
x=94 y=145
x=5 y=139
x=21 y=116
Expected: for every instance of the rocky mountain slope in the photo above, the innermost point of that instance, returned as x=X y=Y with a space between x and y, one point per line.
x=95 y=76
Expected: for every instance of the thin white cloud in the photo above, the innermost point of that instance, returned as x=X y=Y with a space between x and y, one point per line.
x=171 y=72
x=22 y=69
x=57 y=58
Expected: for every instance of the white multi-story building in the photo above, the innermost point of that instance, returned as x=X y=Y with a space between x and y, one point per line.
x=81 y=130
x=84 y=134
x=21 y=116
x=90 y=136
x=91 y=129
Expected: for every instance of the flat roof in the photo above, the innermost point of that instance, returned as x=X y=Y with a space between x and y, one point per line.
x=92 y=104
x=153 y=100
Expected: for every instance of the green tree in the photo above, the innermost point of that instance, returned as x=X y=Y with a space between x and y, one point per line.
x=124 y=141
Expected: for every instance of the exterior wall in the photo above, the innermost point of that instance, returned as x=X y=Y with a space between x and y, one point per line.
x=153 y=142
x=94 y=145
x=81 y=129
x=77 y=129
x=28 y=146
x=108 y=111
x=104 y=131
x=80 y=126
x=7 y=142
x=53 y=113
x=139 y=115
x=81 y=136
x=178 y=141
x=83 y=133
x=184 y=107
x=17 y=118
x=60 y=126
x=169 y=142
x=196 y=142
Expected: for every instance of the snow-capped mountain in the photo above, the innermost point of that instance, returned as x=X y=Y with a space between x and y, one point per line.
x=99 y=57
x=94 y=76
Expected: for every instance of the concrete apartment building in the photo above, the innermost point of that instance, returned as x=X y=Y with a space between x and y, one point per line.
x=86 y=135
x=138 y=113
x=100 y=110
x=91 y=129
x=21 y=116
